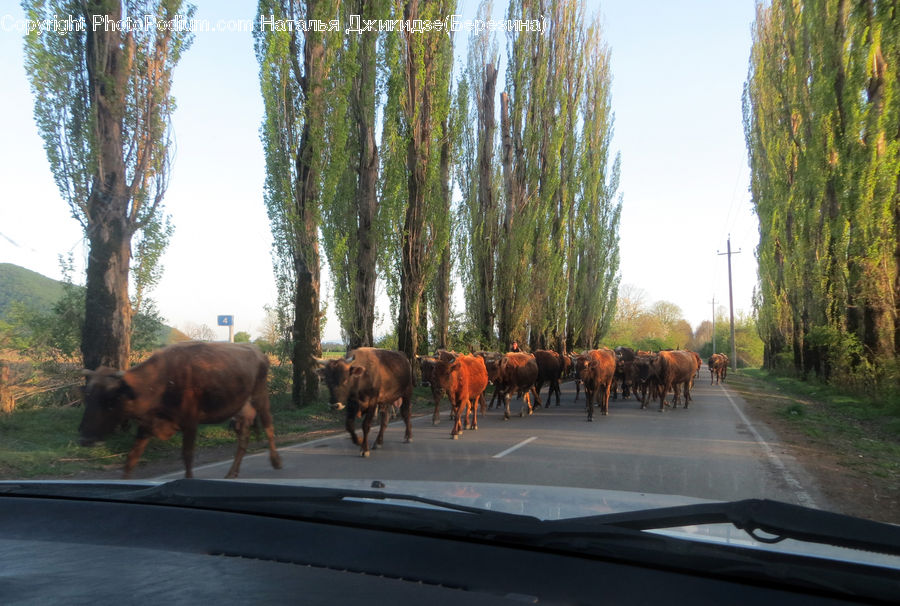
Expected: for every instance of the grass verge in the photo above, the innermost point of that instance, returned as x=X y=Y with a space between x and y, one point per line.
x=850 y=444
x=43 y=442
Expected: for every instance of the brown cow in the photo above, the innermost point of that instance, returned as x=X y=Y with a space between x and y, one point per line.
x=178 y=388
x=366 y=380
x=718 y=367
x=674 y=369
x=597 y=369
x=464 y=380
x=518 y=372
x=550 y=369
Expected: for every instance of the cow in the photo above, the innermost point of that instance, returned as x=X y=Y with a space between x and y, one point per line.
x=364 y=381
x=464 y=380
x=518 y=372
x=646 y=381
x=674 y=369
x=178 y=388
x=718 y=367
x=492 y=363
x=426 y=368
x=597 y=369
x=550 y=369
x=624 y=372
x=698 y=363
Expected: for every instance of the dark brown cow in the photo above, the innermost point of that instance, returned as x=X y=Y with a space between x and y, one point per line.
x=597 y=369
x=366 y=380
x=624 y=372
x=675 y=369
x=179 y=388
x=698 y=361
x=426 y=367
x=550 y=369
x=517 y=372
x=492 y=363
x=464 y=380
x=646 y=380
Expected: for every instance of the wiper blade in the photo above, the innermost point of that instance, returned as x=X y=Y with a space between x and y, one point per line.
x=779 y=520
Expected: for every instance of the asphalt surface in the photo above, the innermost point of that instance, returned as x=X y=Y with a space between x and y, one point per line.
x=711 y=450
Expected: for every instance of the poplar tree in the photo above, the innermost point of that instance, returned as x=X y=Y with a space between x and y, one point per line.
x=103 y=107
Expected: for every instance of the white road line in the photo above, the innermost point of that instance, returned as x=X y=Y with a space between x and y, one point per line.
x=515 y=448
x=801 y=494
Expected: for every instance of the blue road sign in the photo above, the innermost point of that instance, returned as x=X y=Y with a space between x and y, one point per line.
x=225 y=320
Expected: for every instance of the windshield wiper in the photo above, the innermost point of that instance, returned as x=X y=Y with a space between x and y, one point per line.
x=779 y=520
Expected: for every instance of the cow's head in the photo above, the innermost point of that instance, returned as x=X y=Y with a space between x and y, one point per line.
x=442 y=373
x=107 y=397
x=341 y=377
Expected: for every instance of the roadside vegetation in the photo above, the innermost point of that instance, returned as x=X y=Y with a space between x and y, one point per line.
x=849 y=441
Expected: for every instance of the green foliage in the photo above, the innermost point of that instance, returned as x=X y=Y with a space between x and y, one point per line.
x=822 y=124
x=242 y=337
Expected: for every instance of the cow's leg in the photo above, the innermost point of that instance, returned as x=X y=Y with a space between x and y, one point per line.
x=350 y=420
x=243 y=421
x=436 y=416
x=137 y=449
x=604 y=409
x=589 y=397
x=368 y=415
x=474 y=425
x=462 y=411
x=260 y=402
x=406 y=413
x=506 y=398
x=188 y=438
x=384 y=417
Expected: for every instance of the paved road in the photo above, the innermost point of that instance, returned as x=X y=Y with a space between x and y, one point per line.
x=709 y=451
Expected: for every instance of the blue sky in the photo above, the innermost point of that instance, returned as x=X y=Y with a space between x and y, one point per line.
x=678 y=71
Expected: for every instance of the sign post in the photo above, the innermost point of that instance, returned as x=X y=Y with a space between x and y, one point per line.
x=229 y=322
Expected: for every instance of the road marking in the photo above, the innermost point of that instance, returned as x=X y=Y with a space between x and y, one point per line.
x=802 y=496
x=515 y=448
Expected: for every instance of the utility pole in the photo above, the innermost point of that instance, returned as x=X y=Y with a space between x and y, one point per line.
x=714 y=324
x=731 y=304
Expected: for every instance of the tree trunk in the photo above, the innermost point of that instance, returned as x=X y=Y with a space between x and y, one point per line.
x=107 y=311
x=306 y=334
x=487 y=206
x=412 y=262
x=363 y=103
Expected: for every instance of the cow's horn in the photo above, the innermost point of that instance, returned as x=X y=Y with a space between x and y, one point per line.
x=85 y=372
x=321 y=361
x=350 y=358
x=119 y=374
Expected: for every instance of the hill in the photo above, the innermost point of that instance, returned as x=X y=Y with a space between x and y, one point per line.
x=38 y=292
x=30 y=288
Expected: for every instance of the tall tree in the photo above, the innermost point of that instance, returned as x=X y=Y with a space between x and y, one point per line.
x=103 y=106
x=822 y=124
x=418 y=99
x=294 y=76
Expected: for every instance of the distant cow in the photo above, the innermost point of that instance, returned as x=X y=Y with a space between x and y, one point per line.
x=179 y=388
x=550 y=369
x=464 y=380
x=517 y=372
x=718 y=367
x=369 y=378
x=492 y=364
x=674 y=369
x=597 y=370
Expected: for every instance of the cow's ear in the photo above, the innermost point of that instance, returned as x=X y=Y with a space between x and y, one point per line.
x=356 y=370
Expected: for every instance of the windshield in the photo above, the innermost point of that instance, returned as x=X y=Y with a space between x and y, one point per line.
x=645 y=254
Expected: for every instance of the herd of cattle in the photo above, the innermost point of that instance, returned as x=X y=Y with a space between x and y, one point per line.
x=189 y=384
